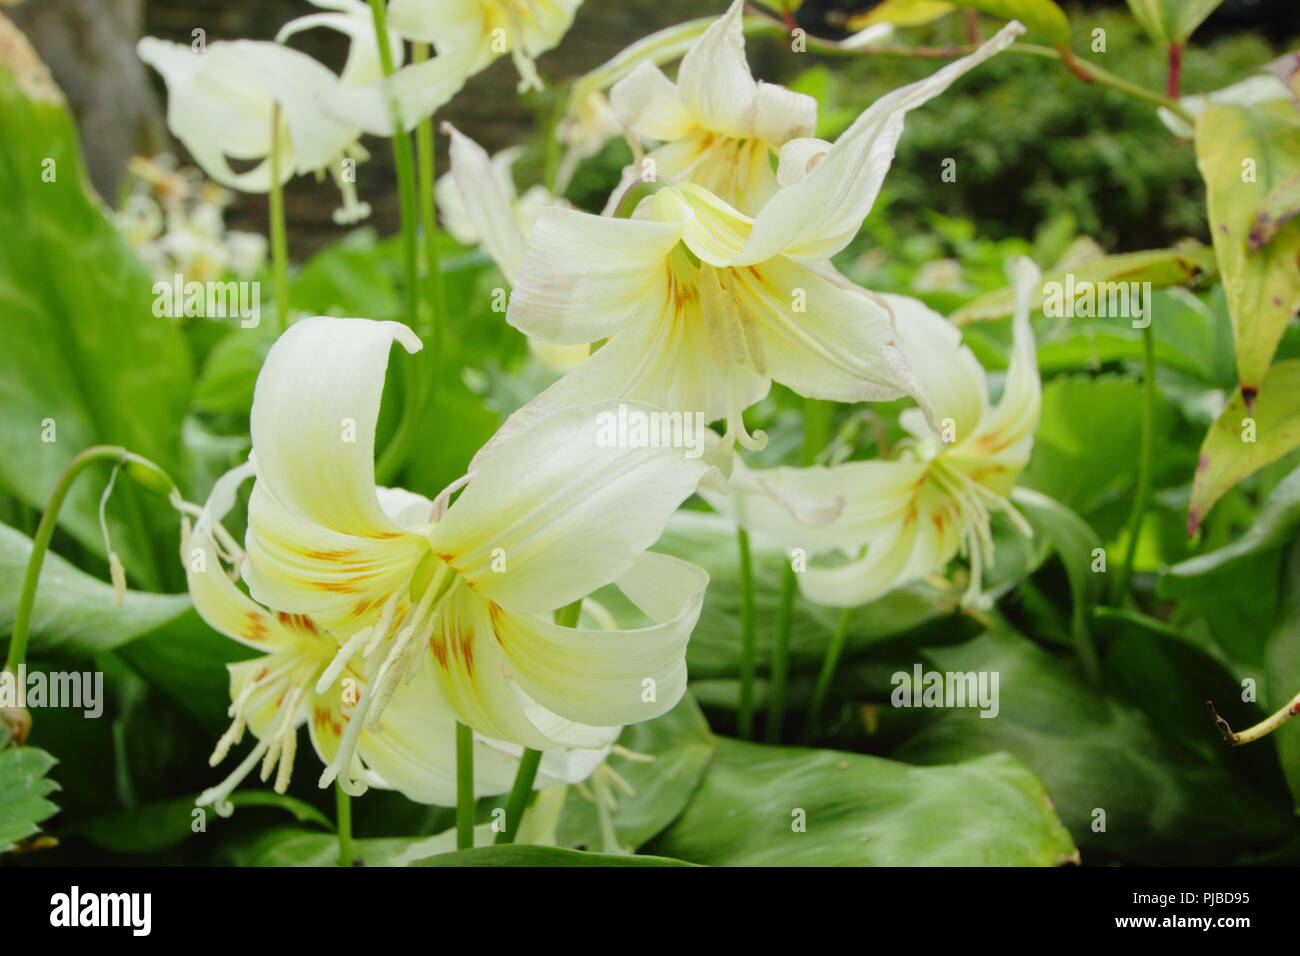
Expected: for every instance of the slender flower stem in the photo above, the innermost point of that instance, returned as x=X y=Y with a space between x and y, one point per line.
x=745 y=718
x=343 y=812
x=816 y=431
x=829 y=663
x=279 y=244
x=1261 y=729
x=45 y=531
x=464 y=787
x=393 y=456
x=520 y=791
x=1143 y=496
x=435 y=290
x=1174 y=78
x=780 y=657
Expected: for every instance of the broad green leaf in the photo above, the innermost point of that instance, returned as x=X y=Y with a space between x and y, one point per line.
x=788 y=806
x=1171 y=22
x=1163 y=802
x=1273 y=527
x=1087 y=442
x=1161 y=267
x=1280 y=206
x=162 y=825
x=1076 y=543
x=519 y=855
x=1239 y=443
x=1244 y=152
x=85 y=360
x=1039 y=16
x=710 y=541
x=287 y=846
x=1282 y=657
x=76 y=613
x=23 y=789
x=681 y=746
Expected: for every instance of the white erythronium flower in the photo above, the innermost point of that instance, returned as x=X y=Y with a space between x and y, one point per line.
x=480 y=204
x=363 y=67
x=221 y=103
x=718 y=127
x=468 y=35
x=548 y=518
x=704 y=306
x=410 y=750
x=916 y=513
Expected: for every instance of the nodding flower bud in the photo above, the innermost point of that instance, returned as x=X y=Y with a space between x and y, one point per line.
x=150 y=475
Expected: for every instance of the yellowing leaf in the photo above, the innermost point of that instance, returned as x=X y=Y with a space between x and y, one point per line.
x=1240 y=443
x=901 y=13
x=1160 y=267
x=1244 y=152
x=1171 y=22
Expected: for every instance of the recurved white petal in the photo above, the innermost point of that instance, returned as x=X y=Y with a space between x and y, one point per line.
x=584 y=277
x=605 y=676
x=313 y=421
x=487 y=205
x=947 y=373
x=647 y=103
x=714 y=81
x=816 y=217
x=565 y=514
x=822 y=338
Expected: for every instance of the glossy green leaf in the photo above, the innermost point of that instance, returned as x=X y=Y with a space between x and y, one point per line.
x=1244 y=152
x=76 y=613
x=710 y=541
x=85 y=360
x=519 y=855
x=1162 y=802
x=159 y=826
x=681 y=746
x=1273 y=527
x=1241 y=442
x=23 y=789
x=787 y=806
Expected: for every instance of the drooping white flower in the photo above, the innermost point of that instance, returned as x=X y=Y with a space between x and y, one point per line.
x=914 y=514
x=717 y=126
x=703 y=306
x=363 y=67
x=548 y=518
x=221 y=103
x=410 y=749
x=468 y=35
x=480 y=205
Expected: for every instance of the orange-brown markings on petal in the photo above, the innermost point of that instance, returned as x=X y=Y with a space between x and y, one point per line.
x=386 y=535
x=465 y=644
x=364 y=605
x=438 y=644
x=323 y=717
x=336 y=555
x=297 y=622
x=982 y=472
x=940 y=518
x=910 y=517
x=255 y=629
x=261 y=672
x=993 y=442
x=344 y=587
